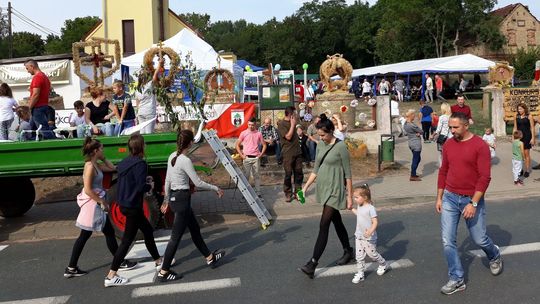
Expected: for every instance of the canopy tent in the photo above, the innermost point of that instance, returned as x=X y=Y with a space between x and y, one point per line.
x=465 y=63
x=203 y=55
x=242 y=63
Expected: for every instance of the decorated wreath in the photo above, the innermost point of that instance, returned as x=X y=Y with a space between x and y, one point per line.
x=160 y=51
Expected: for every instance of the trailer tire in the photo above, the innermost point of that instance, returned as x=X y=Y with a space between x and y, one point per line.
x=18 y=195
x=118 y=220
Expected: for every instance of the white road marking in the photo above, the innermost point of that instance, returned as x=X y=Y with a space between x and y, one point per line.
x=2 y=247
x=138 y=251
x=49 y=300
x=144 y=273
x=521 y=248
x=168 y=289
x=350 y=269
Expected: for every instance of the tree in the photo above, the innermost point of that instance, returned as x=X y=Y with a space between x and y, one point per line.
x=26 y=44
x=73 y=31
x=201 y=22
x=524 y=62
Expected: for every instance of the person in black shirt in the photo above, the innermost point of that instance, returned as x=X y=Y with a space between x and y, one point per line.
x=97 y=113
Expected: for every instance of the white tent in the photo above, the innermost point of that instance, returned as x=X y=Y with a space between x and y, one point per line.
x=466 y=63
x=203 y=54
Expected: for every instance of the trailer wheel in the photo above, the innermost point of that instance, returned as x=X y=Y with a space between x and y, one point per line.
x=118 y=220
x=18 y=195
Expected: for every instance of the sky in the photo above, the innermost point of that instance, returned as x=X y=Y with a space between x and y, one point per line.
x=51 y=14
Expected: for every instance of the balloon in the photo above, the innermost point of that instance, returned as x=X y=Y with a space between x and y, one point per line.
x=277 y=67
x=248 y=68
x=305 y=66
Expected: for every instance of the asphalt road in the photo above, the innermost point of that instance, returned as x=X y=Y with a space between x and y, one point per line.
x=260 y=266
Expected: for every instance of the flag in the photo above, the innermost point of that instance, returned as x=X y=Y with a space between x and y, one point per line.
x=233 y=119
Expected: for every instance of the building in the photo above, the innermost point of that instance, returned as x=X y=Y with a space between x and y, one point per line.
x=518 y=25
x=137 y=24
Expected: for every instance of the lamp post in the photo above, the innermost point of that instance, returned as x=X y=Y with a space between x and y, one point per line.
x=305 y=67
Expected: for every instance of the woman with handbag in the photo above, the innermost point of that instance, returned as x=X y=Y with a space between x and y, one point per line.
x=442 y=133
x=180 y=174
x=91 y=200
x=334 y=191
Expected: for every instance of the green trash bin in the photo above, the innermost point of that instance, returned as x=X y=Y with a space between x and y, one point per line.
x=387 y=148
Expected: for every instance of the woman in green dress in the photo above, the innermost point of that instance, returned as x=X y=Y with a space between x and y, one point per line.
x=333 y=189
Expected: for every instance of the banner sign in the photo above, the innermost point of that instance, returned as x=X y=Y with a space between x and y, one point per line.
x=16 y=75
x=514 y=96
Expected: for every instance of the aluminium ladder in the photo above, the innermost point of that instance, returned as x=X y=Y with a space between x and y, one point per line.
x=238 y=177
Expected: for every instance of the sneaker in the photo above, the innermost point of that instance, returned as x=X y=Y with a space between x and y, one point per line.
x=358 y=277
x=115 y=281
x=168 y=277
x=346 y=257
x=158 y=266
x=526 y=174
x=415 y=179
x=382 y=269
x=453 y=286
x=216 y=256
x=496 y=266
x=74 y=272
x=127 y=265
x=309 y=268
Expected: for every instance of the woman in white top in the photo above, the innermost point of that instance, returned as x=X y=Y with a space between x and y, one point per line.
x=7 y=107
x=180 y=174
x=443 y=131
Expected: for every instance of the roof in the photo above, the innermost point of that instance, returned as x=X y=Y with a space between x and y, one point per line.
x=465 y=63
x=505 y=11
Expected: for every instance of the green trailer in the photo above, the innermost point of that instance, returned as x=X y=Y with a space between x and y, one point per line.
x=21 y=161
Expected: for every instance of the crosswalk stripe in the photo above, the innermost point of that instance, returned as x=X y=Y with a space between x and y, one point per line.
x=49 y=300
x=168 y=289
x=144 y=273
x=521 y=248
x=139 y=251
x=350 y=269
x=2 y=247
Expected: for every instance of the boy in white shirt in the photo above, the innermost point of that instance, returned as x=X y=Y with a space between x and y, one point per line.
x=78 y=120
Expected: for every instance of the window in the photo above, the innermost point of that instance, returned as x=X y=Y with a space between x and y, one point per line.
x=521 y=23
x=128 y=37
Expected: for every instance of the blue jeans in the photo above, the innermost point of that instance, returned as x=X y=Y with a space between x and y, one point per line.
x=312 y=146
x=277 y=149
x=415 y=162
x=452 y=208
x=118 y=128
x=39 y=117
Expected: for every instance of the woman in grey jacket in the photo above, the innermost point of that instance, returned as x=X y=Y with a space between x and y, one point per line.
x=414 y=134
x=180 y=172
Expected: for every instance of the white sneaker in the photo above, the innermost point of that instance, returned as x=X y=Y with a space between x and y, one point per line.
x=381 y=269
x=358 y=277
x=115 y=281
x=158 y=266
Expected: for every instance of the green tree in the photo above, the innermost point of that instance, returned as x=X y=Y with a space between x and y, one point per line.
x=201 y=22
x=27 y=44
x=73 y=31
x=524 y=62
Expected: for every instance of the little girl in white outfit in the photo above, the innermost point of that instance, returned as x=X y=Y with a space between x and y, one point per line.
x=366 y=234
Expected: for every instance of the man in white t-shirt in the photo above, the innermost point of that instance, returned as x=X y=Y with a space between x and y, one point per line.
x=384 y=88
x=366 y=88
x=428 y=94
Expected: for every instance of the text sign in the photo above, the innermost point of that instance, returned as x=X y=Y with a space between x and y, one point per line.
x=514 y=96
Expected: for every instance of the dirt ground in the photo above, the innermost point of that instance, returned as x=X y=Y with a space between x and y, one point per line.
x=53 y=189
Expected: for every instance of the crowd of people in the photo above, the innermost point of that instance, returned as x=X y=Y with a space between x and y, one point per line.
x=97 y=117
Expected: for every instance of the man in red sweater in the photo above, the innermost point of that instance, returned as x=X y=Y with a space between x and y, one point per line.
x=464 y=177
x=461 y=107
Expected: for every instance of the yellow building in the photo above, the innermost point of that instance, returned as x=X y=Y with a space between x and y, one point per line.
x=518 y=25
x=137 y=24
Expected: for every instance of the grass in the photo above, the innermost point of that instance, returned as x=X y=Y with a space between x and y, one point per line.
x=482 y=119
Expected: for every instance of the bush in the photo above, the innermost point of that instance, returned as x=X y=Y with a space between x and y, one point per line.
x=524 y=62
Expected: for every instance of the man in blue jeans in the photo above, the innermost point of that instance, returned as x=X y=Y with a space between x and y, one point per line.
x=38 y=102
x=464 y=177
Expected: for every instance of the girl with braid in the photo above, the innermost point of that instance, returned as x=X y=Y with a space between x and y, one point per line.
x=180 y=172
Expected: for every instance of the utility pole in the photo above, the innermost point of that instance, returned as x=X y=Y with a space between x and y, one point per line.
x=10 y=32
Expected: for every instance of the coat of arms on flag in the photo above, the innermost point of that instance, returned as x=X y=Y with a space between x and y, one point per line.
x=237 y=118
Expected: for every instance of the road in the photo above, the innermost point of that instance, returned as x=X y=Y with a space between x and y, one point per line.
x=260 y=266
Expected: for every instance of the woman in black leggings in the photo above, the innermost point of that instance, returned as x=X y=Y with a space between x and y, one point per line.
x=334 y=191
x=91 y=197
x=132 y=185
x=180 y=172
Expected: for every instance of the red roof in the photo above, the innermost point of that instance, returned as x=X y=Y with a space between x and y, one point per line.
x=505 y=11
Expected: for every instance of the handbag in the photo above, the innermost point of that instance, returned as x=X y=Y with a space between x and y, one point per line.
x=441 y=139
